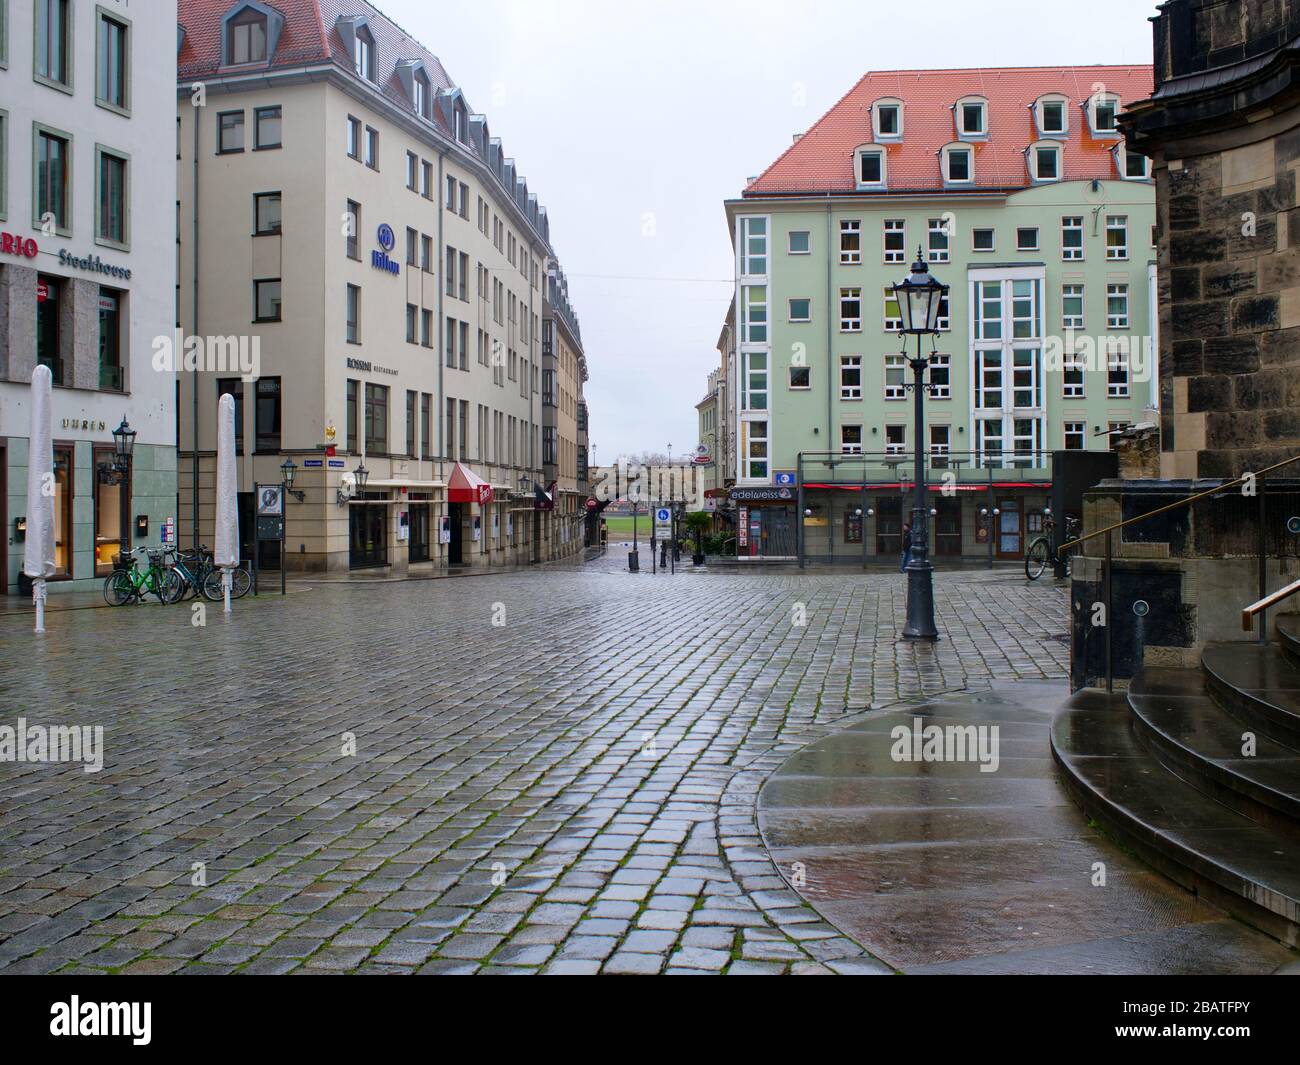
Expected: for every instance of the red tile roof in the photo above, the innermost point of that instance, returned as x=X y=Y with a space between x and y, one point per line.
x=309 y=36
x=822 y=160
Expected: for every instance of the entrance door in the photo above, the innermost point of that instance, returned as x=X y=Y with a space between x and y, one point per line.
x=419 y=518
x=947 y=527
x=889 y=525
x=454 y=552
x=367 y=536
x=777 y=532
x=1011 y=531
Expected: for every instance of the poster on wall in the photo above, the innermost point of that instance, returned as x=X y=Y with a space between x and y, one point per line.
x=478 y=527
x=403 y=526
x=496 y=525
x=444 y=529
x=742 y=526
x=510 y=527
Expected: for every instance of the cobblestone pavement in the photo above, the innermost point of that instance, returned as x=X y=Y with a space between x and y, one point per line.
x=570 y=790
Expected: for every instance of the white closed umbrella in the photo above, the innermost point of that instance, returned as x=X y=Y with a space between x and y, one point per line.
x=38 y=549
x=226 y=543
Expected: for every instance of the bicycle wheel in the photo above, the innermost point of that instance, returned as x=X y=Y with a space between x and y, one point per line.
x=118 y=588
x=240 y=583
x=171 y=586
x=211 y=586
x=1036 y=559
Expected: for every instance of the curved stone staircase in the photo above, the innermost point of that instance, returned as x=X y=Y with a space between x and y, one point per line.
x=1165 y=769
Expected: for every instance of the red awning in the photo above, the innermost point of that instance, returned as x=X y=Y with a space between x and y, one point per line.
x=466 y=486
x=895 y=487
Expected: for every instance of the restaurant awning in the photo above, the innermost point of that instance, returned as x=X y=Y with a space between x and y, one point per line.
x=466 y=486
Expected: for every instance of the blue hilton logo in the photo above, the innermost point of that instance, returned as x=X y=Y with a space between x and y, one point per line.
x=379 y=259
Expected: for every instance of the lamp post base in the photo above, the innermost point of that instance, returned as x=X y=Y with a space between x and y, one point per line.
x=920 y=603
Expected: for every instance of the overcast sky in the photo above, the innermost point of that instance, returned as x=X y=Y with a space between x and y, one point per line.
x=633 y=121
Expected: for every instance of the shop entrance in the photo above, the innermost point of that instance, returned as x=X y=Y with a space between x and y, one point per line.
x=419 y=519
x=947 y=527
x=889 y=526
x=367 y=535
x=776 y=535
x=455 y=553
x=1011 y=532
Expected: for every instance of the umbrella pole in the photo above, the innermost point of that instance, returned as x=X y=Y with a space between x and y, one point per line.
x=38 y=597
x=226 y=578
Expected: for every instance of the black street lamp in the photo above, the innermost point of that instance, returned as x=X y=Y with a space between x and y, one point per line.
x=362 y=475
x=123 y=449
x=288 y=469
x=920 y=298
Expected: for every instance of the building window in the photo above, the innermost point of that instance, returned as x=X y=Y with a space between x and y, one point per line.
x=893 y=313
x=267 y=415
x=941 y=377
x=111 y=322
x=801 y=310
x=112 y=56
x=1136 y=167
x=850 y=310
x=266 y=300
x=1117 y=316
x=800 y=378
x=871 y=168
x=4 y=159
x=850 y=439
x=53 y=175
x=850 y=377
x=1045 y=160
x=1116 y=237
x=112 y=195
x=1117 y=378
x=1076 y=436
x=410 y=422
x=755 y=383
x=989 y=435
x=230 y=132
x=850 y=242
x=1072 y=238
x=755 y=449
x=412 y=171
x=426 y=425
x=1102 y=111
x=895 y=377
x=753 y=247
x=1072 y=307
x=988 y=380
x=800 y=242
x=426 y=253
x=940 y=446
x=353 y=392
x=983 y=240
x=421 y=96
x=1027 y=238
x=939 y=240
x=354 y=138
x=426 y=328
x=1052 y=117
x=352 y=226
x=233 y=386
x=372 y=148
x=889 y=121
x=48 y=353
x=1072 y=379
x=895 y=439
x=972 y=118
x=957 y=166
x=376 y=418
x=246 y=38
x=895 y=238
x=853 y=525
x=426 y=179
x=266 y=128
x=353 y=307
x=266 y=214
x=363 y=54
x=753 y=325
x=412 y=320
x=53 y=42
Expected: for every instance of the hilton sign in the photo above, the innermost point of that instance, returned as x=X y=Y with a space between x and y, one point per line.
x=379 y=259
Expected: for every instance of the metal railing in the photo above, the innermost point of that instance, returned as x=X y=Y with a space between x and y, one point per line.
x=1258 y=609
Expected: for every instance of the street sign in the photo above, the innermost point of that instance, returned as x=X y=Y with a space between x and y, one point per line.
x=785 y=478
x=663 y=522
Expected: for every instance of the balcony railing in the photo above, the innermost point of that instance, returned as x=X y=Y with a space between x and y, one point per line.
x=953 y=467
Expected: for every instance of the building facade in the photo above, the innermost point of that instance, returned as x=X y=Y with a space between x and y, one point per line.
x=87 y=273
x=1018 y=189
x=389 y=268
x=564 y=419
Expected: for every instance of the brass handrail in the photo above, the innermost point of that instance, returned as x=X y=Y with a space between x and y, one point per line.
x=1180 y=503
x=1248 y=614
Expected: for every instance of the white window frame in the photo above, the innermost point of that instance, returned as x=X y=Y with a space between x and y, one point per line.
x=876 y=131
x=1069 y=321
x=1040 y=115
x=1054 y=149
x=959 y=118
x=1072 y=223
x=847 y=448
x=748 y=439
x=850 y=227
x=1035 y=246
x=1117 y=223
x=1108 y=98
x=850 y=392
x=945 y=162
x=790 y=378
x=858 y=156
x=790 y=308
x=1119 y=383
x=891 y=325
x=896 y=390
x=1121 y=320
x=940 y=226
x=896 y=447
x=939 y=451
x=944 y=363
x=1122 y=155
x=848 y=323
x=789 y=242
x=1081 y=432
x=889 y=227
x=748 y=232
x=991 y=248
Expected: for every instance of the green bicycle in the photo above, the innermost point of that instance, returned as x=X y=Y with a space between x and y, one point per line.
x=127 y=583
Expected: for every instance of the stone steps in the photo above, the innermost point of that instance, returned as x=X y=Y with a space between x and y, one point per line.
x=1288 y=636
x=1250 y=868
x=1257 y=684
x=1174 y=717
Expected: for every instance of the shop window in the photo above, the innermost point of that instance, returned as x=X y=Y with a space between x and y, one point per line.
x=853 y=526
x=48 y=293
x=268 y=414
x=63 y=489
x=108 y=509
x=110 y=340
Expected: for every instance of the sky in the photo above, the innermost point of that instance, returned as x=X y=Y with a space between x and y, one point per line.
x=634 y=121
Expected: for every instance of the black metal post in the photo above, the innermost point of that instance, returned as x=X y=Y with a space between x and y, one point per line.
x=1106 y=583
x=1263 y=558
x=798 y=516
x=992 y=516
x=284 y=533
x=920 y=574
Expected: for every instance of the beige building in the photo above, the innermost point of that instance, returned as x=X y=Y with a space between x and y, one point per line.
x=348 y=216
x=564 y=420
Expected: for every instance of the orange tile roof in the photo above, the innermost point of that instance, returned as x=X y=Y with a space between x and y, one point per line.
x=822 y=160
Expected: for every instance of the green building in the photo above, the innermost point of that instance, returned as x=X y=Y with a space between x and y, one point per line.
x=1016 y=186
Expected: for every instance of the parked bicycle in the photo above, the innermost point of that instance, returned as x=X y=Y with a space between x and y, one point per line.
x=1042 y=552
x=127 y=583
x=240 y=583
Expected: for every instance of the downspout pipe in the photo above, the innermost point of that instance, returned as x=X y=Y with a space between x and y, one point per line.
x=194 y=381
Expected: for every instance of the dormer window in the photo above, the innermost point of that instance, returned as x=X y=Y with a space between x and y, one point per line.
x=1045 y=162
x=1052 y=116
x=888 y=115
x=460 y=118
x=958 y=165
x=363 y=54
x=246 y=38
x=421 y=97
x=870 y=168
x=1103 y=109
x=1133 y=165
x=972 y=118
